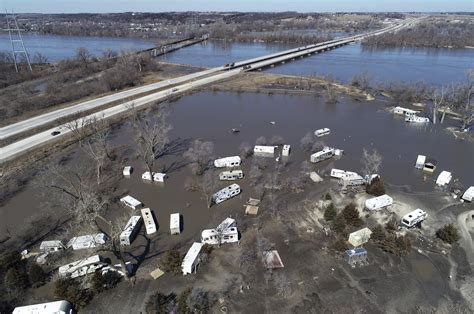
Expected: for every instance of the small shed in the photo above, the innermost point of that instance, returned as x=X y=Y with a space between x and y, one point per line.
x=271 y=259
x=286 y=150
x=360 y=237
x=157 y=273
x=51 y=246
x=357 y=255
x=251 y=208
x=430 y=165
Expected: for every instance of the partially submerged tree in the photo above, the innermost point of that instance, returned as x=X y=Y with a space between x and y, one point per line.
x=199 y=156
x=371 y=162
x=208 y=185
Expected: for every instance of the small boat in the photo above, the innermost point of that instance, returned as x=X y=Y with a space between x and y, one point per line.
x=322 y=132
x=234 y=130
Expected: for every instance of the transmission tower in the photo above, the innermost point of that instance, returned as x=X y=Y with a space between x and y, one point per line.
x=16 y=41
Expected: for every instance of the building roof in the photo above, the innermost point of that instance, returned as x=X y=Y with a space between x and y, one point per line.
x=192 y=254
x=56 y=307
x=356 y=251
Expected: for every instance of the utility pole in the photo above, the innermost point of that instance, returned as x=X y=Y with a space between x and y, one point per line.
x=16 y=41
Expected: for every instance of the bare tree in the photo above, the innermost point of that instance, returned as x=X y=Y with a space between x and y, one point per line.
x=245 y=150
x=152 y=135
x=331 y=95
x=39 y=58
x=208 y=185
x=371 y=162
x=438 y=101
x=199 y=156
x=307 y=141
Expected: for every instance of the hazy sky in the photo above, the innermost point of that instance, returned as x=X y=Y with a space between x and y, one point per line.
x=75 y=6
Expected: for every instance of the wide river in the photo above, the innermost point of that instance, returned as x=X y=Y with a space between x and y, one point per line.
x=435 y=66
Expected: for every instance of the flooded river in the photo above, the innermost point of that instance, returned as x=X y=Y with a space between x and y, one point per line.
x=210 y=117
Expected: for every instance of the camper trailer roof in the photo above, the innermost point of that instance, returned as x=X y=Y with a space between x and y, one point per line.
x=56 y=307
x=192 y=254
x=51 y=244
x=421 y=159
x=469 y=194
x=130 y=226
x=88 y=240
x=379 y=201
x=227 y=223
x=130 y=200
x=444 y=178
x=71 y=267
x=174 y=219
x=413 y=215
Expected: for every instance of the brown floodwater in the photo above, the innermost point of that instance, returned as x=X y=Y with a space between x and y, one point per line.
x=210 y=116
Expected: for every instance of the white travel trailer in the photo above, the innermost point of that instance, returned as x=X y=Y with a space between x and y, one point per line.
x=322 y=132
x=127 y=171
x=229 y=162
x=403 y=111
x=444 y=178
x=226 y=193
x=414 y=218
x=56 y=307
x=416 y=119
x=191 y=260
x=351 y=180
x=420 y=162
x=131 y=202
x=149 y=221
x=175 y=223
x=157 y=176
x=51 y=246
x=379 y=202
x=285 y=152
x=259 y=149
x=130 y=231
x=87 y=241
x=231 y=175
x=82 y=267
x=226 y=232
x=469 y=194
x=337 y=173
x=359 y=237
x=324 y=154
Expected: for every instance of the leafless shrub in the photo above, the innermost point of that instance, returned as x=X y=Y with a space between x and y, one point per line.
x=199 y=156
x=371 y=162
x=246 y=150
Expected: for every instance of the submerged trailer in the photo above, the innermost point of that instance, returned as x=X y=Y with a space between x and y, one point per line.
x=82 y=267
x=131 y=202
x=322 y=132
x=87 y=241
x=260 y=149
x=229 y=162
x=157 y=176
x=231 y=175
x=338 y=173
x=285 y=152
x=414 y=218
x=175 y=223
x=351 y=180
x=324 y=154
x=149 y=221
x=420 y=162
x=403 y=111
x=468 y=194
x=226 y=193
x=130 y=231
x=444 y=178
x=378 y=202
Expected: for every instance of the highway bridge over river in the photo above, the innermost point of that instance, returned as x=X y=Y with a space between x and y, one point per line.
x=147 y=94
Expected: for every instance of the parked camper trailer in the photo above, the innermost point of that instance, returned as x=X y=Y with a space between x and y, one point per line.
x=228 y=162
x=379 y=202
x=259 y=149
x=416 y=119
x=226 y=193
x=87 y=241
x=351 y=180
x=130 y=231
x=127 y=171
x=51 y=246
x=226 y=232
x=175 y=223
x=430 y=165
x=420 y=162
x=149 y=221
x=56 y=307
x=157 y=176
x=444 y=178
x=131 y=202
x=337 y=173
x=285 y=152
x=403 y=111
x=322 y=132
x=469 y=194
x=191 y=260
x=231 y=175
x=82 y=267
x=414 y=218
x=324 y=154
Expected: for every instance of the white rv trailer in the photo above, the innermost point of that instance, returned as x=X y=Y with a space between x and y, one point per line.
x=51 y=246
x=149 y=221
x=322 y=132
x=420 y=162
x=337 y=173
x=379 y=202
x=469 y=194
x=413 y=218
x=324 y=154
x=444 y=178
x=175 y=223
x=127 y=171
x=191 y=260
x=403 y=111
x=131 y=202
x=226 y=232
x=56 y=307
x=130 y=231
x=226 y=193
x=87 y=241
x=229 y=162
x=231 y=175
x=285 y=152
x=82 y=267
x=157 y=176
x=351 y=180
x=416 y=119
x=260 y=149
